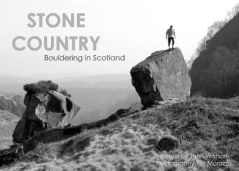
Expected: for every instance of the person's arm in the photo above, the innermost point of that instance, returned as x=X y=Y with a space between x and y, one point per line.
x=174 y=34
x=166 y=34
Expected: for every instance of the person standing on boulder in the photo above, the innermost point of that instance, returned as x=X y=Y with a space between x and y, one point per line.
x=170 y=35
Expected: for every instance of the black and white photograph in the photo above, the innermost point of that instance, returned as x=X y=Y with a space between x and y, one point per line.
x=119 y=85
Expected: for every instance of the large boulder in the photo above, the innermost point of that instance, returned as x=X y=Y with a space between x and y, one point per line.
x=161 y=76
x=46 y=107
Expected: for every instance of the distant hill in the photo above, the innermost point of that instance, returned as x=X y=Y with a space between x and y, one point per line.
x=99 y=103
x=215 y=72
x=8 y=122
x=100 y=96
x=12 y=103
x=117 y=81
x=11 y=109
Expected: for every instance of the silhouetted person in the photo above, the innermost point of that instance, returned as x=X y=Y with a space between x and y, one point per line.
x=170 y=35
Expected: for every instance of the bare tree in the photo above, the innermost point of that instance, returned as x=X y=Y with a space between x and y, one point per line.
x=233 y=12
x=212 y=30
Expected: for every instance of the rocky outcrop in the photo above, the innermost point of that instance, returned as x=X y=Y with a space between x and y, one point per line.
x=46 y=108
x=161 y=76
x=12 y=103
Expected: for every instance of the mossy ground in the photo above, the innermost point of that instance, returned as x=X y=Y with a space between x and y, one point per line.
x=208 y=130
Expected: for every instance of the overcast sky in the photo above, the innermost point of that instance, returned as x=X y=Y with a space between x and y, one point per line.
x=136 y=29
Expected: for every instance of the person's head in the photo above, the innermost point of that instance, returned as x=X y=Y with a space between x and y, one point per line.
x=171 y=26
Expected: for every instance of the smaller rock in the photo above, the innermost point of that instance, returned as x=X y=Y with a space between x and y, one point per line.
x=168 y=143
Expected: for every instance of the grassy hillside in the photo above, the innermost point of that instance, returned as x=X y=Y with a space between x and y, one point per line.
x=208 y=131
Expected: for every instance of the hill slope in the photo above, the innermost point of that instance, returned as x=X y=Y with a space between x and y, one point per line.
x=12 y=103
x=7 y=124
x=208 y=130
x=215 y=71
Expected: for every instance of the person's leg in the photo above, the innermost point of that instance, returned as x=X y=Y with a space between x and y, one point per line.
x=169 y=41
x=172 y=42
